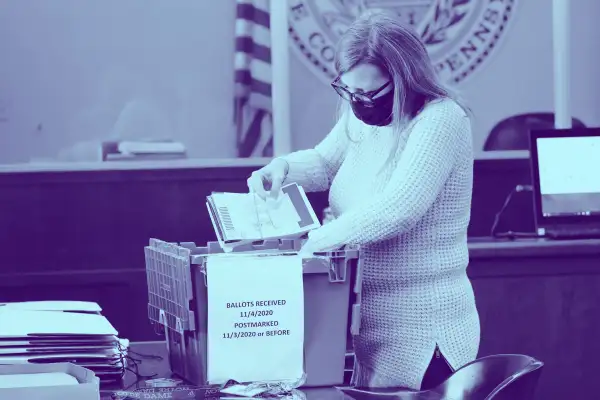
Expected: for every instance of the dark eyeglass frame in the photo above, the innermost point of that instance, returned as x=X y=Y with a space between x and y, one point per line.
x=362 y=97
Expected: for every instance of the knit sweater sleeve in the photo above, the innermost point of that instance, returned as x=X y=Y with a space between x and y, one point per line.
x=430 y=155
x=314 y=169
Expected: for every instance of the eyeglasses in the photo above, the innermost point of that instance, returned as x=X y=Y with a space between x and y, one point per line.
x=363 y=97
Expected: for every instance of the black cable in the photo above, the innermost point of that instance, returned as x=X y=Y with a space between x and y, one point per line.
x=146 y=356
x=510 y=234
x=124 y=356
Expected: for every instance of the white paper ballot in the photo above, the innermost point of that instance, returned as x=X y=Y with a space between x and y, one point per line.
x=255 y=318
x=36 y=380
x=241 y=218
x=21 y=323
x=85 y=306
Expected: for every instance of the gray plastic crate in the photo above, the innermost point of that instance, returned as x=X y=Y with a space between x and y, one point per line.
x=178 y=305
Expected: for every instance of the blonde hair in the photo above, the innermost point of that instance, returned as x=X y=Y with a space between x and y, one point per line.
x=381 y=39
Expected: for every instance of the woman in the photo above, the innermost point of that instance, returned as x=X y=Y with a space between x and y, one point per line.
x=399 y=166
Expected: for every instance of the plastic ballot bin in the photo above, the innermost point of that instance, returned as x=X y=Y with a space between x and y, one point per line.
x=177 y=292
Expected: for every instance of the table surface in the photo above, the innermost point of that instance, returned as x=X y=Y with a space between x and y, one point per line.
x=202 y=163
x=69 y=166
x=160 y=369
x=488 y=247
x=154 y=369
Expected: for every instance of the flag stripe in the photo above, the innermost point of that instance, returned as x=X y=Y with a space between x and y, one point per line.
x=245 y=77
x=260 y=35
x=261 y=70
x=262 y=148
x=255 y=100
x=248 y=145
x=252 y=13
x=247 y=45
x=253 y=79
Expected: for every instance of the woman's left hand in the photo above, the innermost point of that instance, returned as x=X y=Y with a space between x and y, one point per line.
x=305 y=252
x=308 y=248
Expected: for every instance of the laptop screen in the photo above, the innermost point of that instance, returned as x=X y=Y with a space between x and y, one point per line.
x=569 y=176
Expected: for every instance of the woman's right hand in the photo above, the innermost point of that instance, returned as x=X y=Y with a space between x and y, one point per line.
x=269 y=179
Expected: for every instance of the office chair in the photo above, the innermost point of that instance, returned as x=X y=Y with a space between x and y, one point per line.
x=496 y=377
x=512 y=133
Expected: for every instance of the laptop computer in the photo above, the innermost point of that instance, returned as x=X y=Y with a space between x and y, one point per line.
x=565 y=164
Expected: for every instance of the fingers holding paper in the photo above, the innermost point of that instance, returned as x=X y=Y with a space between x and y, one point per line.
x=256 y=184
x=305 y=253
x=276 y=184
x=269 y=179
x=308 y=248
x=311 y=246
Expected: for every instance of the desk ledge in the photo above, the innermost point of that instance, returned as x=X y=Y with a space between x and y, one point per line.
x=488 y=247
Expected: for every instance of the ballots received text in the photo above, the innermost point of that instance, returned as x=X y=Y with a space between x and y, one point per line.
x=255 y=317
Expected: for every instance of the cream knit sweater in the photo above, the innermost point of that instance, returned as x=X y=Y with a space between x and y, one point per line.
x=411 y=223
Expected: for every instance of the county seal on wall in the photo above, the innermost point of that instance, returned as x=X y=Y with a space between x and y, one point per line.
x=459 y=34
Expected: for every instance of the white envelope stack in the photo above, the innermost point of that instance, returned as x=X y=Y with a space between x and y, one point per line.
x=61 y=331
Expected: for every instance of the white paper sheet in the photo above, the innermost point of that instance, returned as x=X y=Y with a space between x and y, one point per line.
x=85 y=306
x=251 y=218
x=255 y=318
x=36 y=350
x=64 y=357
x=36 y=380
x=20 y=323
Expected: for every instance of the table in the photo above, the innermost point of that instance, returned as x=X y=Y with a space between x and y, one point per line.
x=161 y=369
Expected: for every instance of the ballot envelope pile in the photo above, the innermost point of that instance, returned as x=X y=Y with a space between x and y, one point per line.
x=61 y=331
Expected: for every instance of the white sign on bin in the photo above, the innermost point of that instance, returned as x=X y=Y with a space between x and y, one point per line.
x=255 y=317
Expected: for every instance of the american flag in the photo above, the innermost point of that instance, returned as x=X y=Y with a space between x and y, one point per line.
x=253 y=107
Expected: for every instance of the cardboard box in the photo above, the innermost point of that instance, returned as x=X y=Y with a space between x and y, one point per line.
x=88 y=388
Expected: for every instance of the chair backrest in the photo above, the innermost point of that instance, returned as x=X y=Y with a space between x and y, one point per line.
x=512 y=133
x=497 y=377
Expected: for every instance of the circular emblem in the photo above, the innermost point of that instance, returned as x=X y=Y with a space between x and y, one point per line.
x=459 y=34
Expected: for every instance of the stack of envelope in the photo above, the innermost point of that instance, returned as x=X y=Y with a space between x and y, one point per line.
x=61 y=331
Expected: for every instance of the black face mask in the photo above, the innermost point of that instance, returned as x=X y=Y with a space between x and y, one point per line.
x=377 y=114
